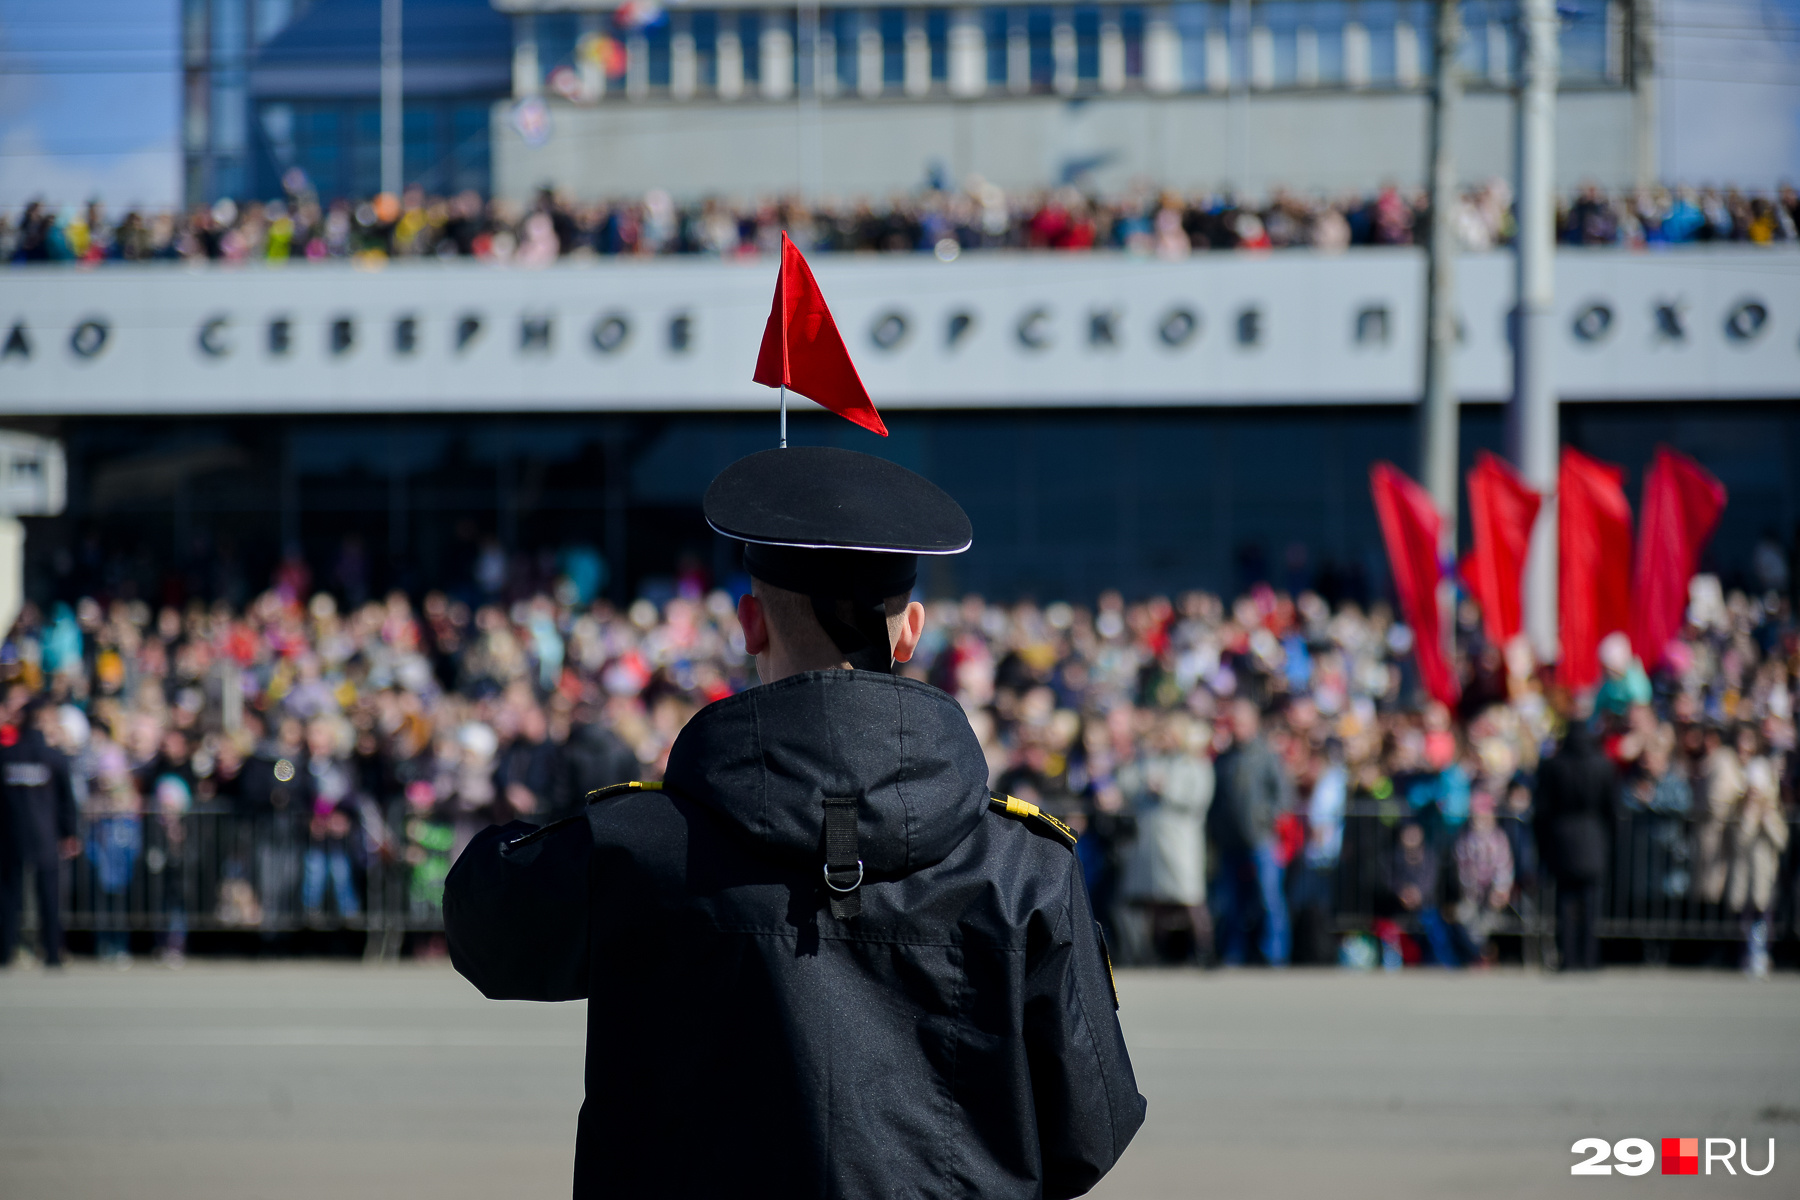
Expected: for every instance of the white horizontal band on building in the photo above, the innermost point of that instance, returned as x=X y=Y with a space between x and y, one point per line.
x=987 y=331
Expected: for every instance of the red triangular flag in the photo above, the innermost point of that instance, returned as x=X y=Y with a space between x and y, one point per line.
x=802 y=351
x=1682 y=503
x=1593 y=563
x=1410 y=526
x=1501 y=512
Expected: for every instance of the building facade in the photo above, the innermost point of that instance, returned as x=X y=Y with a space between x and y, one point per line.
x=271 y=86
x=861 y=98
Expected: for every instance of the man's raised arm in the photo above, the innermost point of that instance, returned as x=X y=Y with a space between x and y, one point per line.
x=516 y=911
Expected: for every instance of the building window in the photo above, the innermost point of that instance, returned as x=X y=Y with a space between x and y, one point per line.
x=705 y=28
x=750 y=38
x=1583 y=42
x=937 y=33
x=1087 y=45
x=423 y=159
x=1040 y=24
x=556 y=35
x=892 y=23
x=1131 y=25
x=995 y=22
x=469 y=168
x=1326 y=20
x=657 y=39
x=1193 y=22
x=1378 y=18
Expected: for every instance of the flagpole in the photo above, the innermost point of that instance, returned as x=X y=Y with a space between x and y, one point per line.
x=784 y=417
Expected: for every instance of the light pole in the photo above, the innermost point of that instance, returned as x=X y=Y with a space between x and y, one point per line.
x=1532 y=421
x=1440 y=414
x=1438 y=440
x=392 y=110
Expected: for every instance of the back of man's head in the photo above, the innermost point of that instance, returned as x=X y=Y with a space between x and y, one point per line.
x=796 y=636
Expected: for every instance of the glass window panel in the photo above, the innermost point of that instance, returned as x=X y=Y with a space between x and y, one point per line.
x=1131 y=26
x=556 y=34
x=1473 y=55
x=365 y=150
x=705 y=28
x=893 y=47
x=1087 y=43
x=228 y=30
x=422 y=153
x=994 y=22
x=229 y=114
x=1583 y=41
x=937 y=33
x=469 y=152
x=1038 y=25
x=1282 y=19
x=318 y=146
x=1191 y=23
x=1378 y=18
x=750 y=37
x=658 y=39
x=1421 y=16
x=1327 y=18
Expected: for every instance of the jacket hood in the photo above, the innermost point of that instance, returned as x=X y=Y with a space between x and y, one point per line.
x=765 y=759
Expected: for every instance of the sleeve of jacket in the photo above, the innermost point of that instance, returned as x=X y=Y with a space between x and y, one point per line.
x=1088 y=1107
x=516 y=916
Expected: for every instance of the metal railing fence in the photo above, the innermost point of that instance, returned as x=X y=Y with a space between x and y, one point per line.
x=220 y=871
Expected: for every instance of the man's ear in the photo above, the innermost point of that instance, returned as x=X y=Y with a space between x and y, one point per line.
x=912 y=628
x=755 y=624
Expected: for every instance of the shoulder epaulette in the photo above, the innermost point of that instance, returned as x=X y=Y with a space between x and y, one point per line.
x=593 y=797
x=620 y=789
x=1035 y=818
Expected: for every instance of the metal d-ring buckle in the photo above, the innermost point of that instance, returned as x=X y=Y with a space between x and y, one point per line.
x=834 y=887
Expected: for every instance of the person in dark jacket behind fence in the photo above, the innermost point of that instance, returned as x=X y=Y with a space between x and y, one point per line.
x=819 y=958
x=1574 y=813
x=37 y=828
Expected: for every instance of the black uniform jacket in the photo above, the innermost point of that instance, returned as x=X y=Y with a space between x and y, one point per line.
x=957 y=1038
x=1573 y=809
x=39 y=798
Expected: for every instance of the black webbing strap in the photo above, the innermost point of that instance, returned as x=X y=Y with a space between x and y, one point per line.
x=843 y=869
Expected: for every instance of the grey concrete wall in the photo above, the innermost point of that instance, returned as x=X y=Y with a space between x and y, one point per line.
x=877 y=147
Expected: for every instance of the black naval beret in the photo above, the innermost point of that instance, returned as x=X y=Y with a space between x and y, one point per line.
x=832 y=523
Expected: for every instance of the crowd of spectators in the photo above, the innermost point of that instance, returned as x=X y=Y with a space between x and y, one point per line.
x=1243 y=773
x=1143 y=221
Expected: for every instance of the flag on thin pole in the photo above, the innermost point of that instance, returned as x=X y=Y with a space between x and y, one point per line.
x=802 y=350
x=1410 y=525
x=1593 y=571
x=1502 y=511
x=1682 y=503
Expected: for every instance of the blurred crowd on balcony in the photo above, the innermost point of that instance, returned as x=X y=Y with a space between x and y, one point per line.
x=1142 y=221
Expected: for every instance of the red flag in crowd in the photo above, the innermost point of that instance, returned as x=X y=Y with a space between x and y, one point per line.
x=1501 y=512
x=1682 y=503
x=1594 y=563
x=1410 y=526
x=802 y=351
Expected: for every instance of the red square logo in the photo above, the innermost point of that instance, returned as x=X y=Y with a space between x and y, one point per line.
x=1681 y=1156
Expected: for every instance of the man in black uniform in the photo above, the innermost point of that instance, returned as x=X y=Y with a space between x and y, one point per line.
x=37 y=829
x=819 y=959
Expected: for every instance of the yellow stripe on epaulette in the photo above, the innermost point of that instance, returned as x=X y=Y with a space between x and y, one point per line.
x=1034 y=818
x=619 y=789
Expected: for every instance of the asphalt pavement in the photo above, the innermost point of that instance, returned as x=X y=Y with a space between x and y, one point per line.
x=307 y=1080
